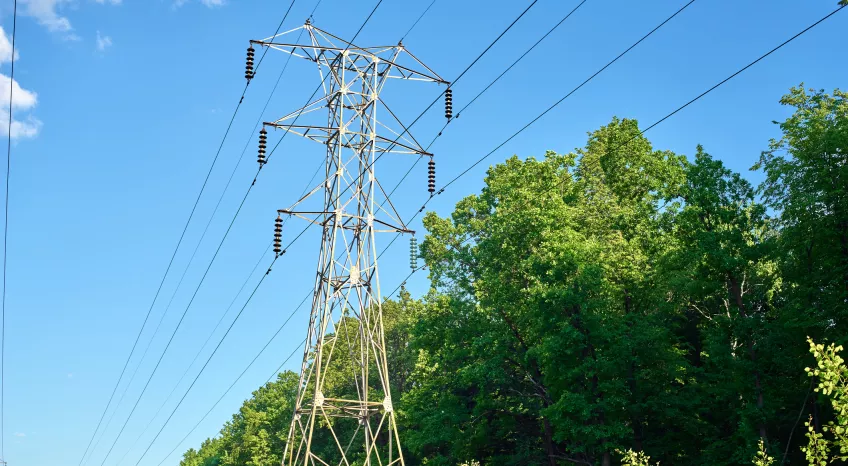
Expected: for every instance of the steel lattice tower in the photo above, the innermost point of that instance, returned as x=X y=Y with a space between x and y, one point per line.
x=333 y=423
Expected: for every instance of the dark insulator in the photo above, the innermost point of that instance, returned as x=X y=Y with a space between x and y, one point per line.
x=449 y=103
x=278 y=228
x=413 y=253
x=248 y=69
x=431 y=176
x=263 y=144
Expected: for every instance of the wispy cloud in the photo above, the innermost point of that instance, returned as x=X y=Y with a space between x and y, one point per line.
x=103 y=42
x=46 y=12
x=22 y=99
x=208 y=3
x=6 y=49
x=20 y=434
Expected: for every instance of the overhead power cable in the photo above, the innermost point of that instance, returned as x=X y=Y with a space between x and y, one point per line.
x=467 y=68
x=211 y=263
x=182 y=236
x=217 y=347
x=664 y=118
x=6 y=243
x=218 y=324
x=479 y=94
x=203 y=236
x=569 y=94
x=196 y=356
x=787 y=41
x=350 y=42
x=417 y=20
x=464 y=71
x=227 y=391
x=278 y=143
x=557 y=103
x=177 y=247
x=460 y=76
x=653 y=125
x=220 y=341
x=274 y=374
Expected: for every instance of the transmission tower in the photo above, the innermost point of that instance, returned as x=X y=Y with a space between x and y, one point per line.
x=343 y=410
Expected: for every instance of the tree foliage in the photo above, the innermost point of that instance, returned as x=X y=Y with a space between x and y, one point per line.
x=620 y=298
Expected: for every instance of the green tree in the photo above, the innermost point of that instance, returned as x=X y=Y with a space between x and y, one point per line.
x=255 y=435
x=832 y=376
x=806 y=177
x=724 y=283
x=807 y=186
x=556 y=327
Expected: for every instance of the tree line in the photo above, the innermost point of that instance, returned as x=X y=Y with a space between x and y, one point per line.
x=621 y=304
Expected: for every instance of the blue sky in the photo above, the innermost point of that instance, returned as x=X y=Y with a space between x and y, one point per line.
x=121 y=106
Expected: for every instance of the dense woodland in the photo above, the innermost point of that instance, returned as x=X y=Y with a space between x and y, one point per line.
x=621 y=297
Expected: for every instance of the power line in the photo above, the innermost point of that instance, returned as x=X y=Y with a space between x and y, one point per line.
x=205 y=231
x=223 y=337
x=5 y=246
x=653 y=125
x=220 y=321
x=557 y=103
x=417 y=20
x=550 y=31
x=218 y=346
x=227 y=391
x=467 y=68
x=667 y=116
x=464 y=71
x=316 y=90
x=279 y=142
x=241 y=205
x=199 y=352
x=179 y=324
x=479 y=94
x=261 y=351
x=185 y=228
x=745 y=67
x=179 y=243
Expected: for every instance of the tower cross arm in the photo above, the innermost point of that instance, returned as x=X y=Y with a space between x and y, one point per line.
x=324 y=54
x=325 y=134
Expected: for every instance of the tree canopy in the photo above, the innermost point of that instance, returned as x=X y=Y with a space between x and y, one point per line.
x=621 y=304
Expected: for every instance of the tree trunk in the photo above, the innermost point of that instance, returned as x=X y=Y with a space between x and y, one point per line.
x=843 y=246
x=635 y=417
x=589 y=352
x=549 y=442
x=736 y=292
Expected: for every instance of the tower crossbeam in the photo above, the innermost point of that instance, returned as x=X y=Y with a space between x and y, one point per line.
x=343 y=410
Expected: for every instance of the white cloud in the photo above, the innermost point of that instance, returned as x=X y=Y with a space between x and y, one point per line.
x=22 y=100
x=27 y=128
x=5 y=48
x=103 y=42
x=208 y=3
x=20 y=434
x=46 y=12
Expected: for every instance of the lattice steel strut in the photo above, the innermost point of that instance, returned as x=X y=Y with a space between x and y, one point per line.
x=343 y=408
